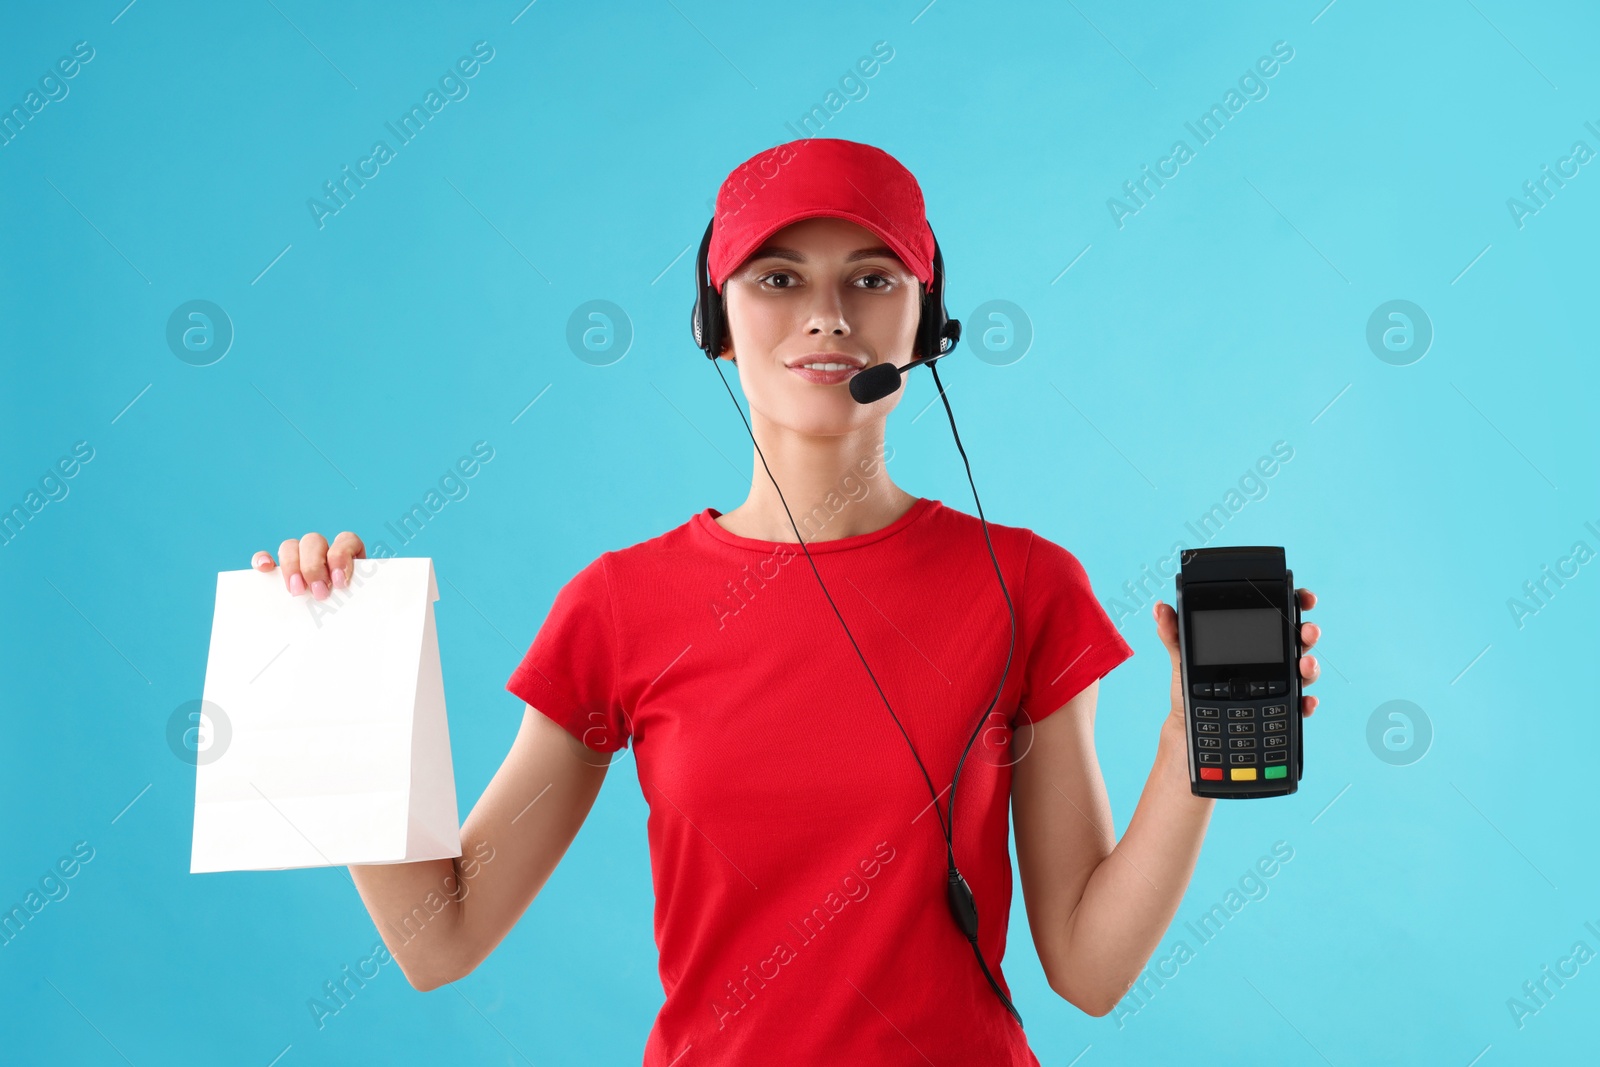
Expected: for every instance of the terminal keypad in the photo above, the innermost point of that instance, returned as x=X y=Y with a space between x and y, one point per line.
x=1257 y=737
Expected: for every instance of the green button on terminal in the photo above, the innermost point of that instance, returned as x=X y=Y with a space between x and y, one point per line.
x=1277 y=772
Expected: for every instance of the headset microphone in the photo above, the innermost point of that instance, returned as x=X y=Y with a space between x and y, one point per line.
x=936 y=336
x=877 y=382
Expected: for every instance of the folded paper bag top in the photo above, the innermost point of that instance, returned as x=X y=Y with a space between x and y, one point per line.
x=329 y=740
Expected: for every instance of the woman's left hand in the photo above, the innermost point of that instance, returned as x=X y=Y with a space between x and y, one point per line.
x=1166 y=617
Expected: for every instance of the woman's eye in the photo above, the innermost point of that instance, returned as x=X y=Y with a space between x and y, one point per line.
x=781 y=279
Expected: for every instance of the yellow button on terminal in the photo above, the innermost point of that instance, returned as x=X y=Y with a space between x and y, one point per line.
x=1243 y=774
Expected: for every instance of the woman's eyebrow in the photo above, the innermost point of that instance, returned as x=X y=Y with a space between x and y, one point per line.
x=780 y=252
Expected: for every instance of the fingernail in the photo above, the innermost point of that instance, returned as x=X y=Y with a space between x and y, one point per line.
x=319 y=589
x=297 y=584
x=338 y=577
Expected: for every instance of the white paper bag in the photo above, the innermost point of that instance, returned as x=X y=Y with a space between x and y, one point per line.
x=328 y=738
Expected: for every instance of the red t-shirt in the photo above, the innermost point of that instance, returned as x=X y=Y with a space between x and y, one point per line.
x=799 y=871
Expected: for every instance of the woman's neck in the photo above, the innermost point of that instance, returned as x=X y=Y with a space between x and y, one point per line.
x=835 y=487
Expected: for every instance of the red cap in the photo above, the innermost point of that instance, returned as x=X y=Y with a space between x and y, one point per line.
x=819 y=176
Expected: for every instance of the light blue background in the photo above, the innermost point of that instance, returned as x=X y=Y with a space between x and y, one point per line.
x=1228 y=314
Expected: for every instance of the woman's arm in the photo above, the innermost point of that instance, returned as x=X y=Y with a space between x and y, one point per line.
x=1097 y=906
x=441 y=918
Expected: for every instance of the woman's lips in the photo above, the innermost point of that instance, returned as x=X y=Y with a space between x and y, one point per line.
x=826 y=377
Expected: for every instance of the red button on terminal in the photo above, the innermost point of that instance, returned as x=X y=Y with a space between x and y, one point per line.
x=1212 y=773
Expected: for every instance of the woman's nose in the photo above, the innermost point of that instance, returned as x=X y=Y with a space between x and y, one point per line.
x=827 y=314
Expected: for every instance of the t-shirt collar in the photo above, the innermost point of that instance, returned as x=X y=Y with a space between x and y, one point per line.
x=705 y=522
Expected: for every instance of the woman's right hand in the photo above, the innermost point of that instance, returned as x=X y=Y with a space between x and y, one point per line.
x=310 y=563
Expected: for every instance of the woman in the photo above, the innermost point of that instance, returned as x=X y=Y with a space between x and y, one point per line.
x=798 y=842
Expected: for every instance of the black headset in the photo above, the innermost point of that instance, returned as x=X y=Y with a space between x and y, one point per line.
x=937 y=335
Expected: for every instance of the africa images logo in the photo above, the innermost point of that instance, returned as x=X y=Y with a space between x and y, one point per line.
x=852 y=888
x=1205 y=129
x=452 y=84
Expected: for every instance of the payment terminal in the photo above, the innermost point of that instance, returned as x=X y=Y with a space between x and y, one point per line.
x=1239 y=644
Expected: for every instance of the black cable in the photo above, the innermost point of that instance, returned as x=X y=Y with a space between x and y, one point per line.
x=972 y=938
x=959 y=894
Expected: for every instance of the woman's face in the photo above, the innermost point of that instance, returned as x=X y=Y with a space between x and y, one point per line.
x=820 y=290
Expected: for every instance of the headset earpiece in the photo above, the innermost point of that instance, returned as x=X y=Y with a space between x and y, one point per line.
x=935 y=327
x=707 y=320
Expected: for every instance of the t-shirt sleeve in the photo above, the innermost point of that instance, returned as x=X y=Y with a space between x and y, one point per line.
x=569 y=673
x=1072 y=639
